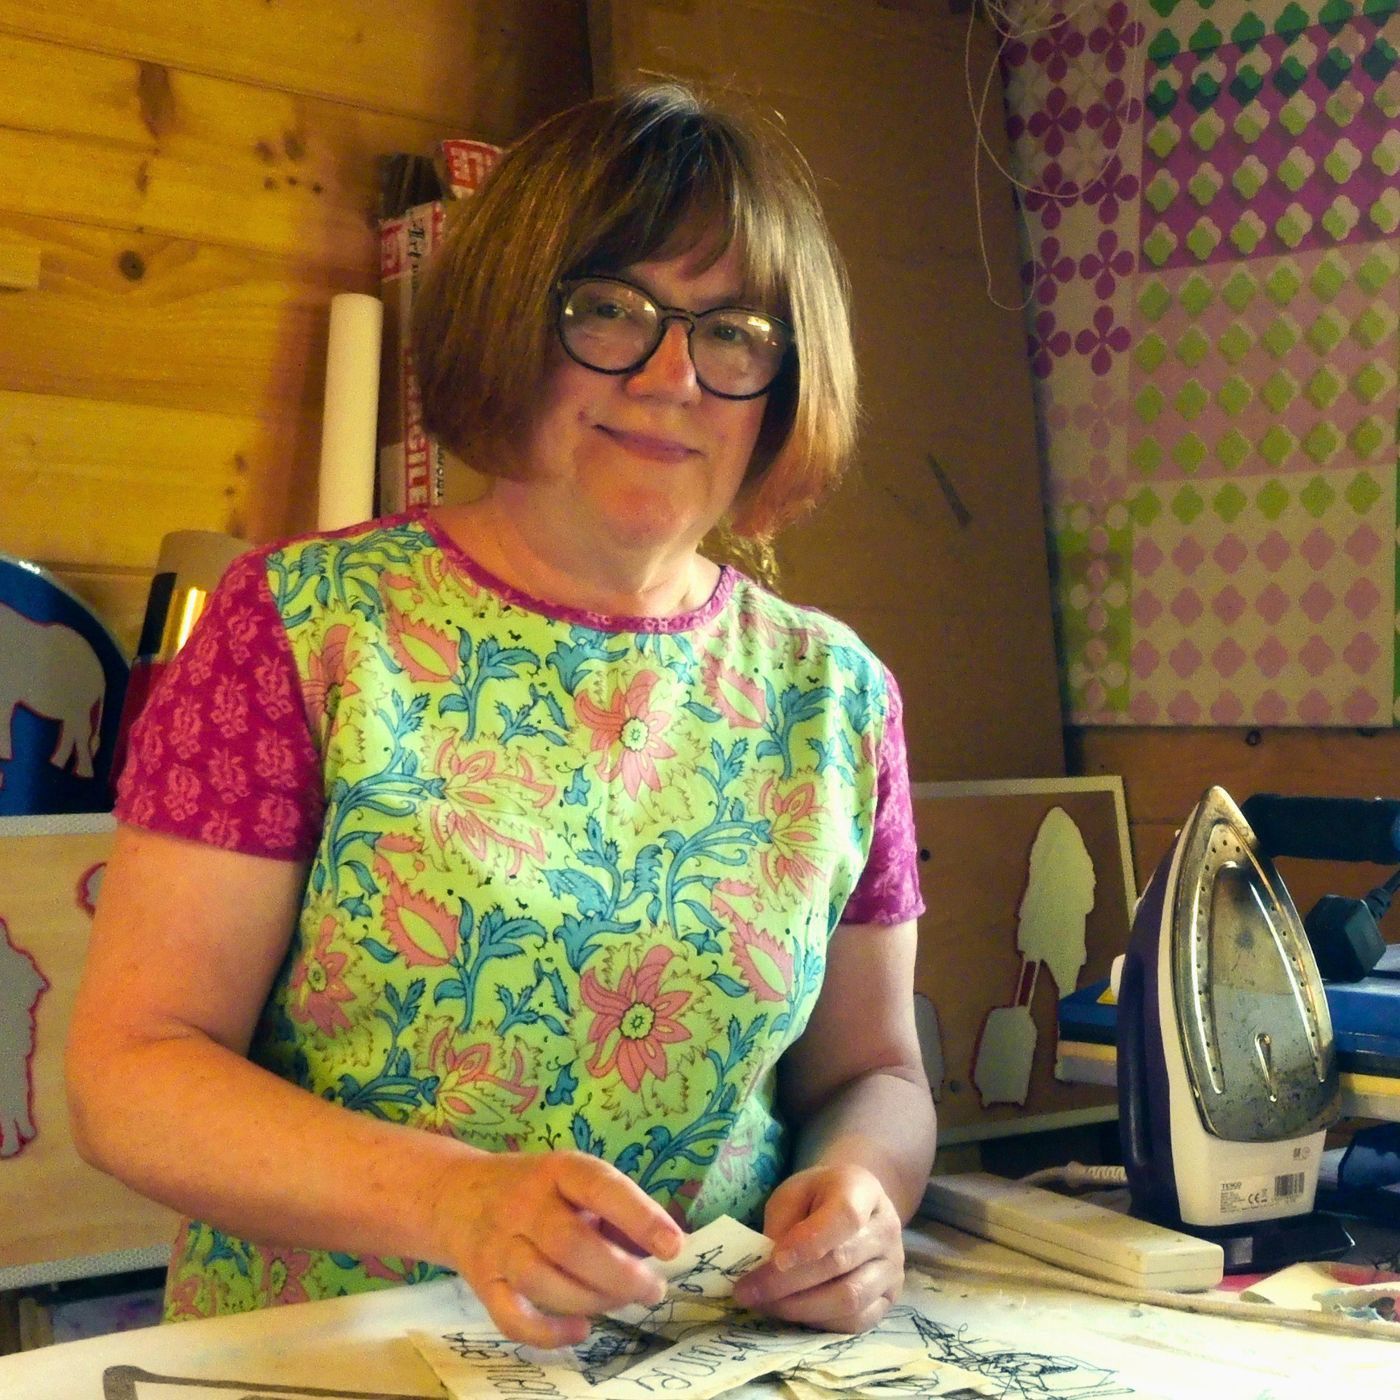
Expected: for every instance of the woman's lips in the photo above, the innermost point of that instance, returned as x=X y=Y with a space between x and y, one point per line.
x=653 y=449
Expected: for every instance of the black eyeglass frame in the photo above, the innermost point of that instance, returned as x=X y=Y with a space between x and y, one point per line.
x=566 y=285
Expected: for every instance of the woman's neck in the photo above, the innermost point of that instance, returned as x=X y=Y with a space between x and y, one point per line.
x=556 y=566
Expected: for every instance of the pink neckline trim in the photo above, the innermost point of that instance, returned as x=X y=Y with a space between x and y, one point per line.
x=602 y=622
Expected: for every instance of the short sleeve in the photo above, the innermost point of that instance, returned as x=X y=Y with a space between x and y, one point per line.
x=222 y=753
x=888 y=889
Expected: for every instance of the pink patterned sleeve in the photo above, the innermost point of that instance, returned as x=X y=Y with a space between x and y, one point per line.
x=222 y=753
x=888 y=889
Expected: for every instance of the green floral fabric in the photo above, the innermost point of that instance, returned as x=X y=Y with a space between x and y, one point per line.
x=574 y=878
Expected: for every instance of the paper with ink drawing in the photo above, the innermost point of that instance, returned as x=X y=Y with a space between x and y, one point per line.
x=680 y=1349
x=700 y=1279
x=1147 y=1352
x=617 y=1362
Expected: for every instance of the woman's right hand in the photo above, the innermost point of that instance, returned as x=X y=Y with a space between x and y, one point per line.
x=535 y=1235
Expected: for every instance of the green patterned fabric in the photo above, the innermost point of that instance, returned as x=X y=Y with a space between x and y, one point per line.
x=574 y=885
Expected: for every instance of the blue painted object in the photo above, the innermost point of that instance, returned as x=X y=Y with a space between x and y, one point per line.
x=1365 y=1018
x=62 y=681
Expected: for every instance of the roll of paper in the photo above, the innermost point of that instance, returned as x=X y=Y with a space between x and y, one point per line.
x=348 y=450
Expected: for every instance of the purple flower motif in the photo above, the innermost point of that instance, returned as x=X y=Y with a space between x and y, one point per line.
x=1057 y=48
x=1098 y=415
x=1107 y=264
x=1056 y=122
x=1116 y=36
x=1116 y=109
x=1050 y=269
x=1100 y=343
x=1113 y=188
x=1014 y=54
x=1052 y=191
x=1046 y=343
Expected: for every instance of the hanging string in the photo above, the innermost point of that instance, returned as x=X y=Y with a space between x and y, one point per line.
x=1010 y=31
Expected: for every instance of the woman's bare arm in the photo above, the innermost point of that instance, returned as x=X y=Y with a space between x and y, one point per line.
x=185 y=945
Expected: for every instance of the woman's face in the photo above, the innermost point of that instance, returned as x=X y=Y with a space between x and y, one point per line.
x=647 y=459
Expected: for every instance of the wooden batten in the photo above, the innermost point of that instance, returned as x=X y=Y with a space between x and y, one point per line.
x=100 y=483
x=1165 y=771
x=190 y=185
x=941 y=568
x=185 y=154
x=495 y=66
x=54 y=1208
x=169 y=322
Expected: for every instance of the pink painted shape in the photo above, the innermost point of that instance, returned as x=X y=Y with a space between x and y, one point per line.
x=1272 y=604
x=1228 y=657
x=1315 y=708
x=1226 y=708
x=21 y=986
x=1271 y=657
x=1317 y=547
x=1317 y=601
x=1361 y=707
x=1274 y=551
x=1316 y=656
x=1361 y=653
x=1185 y=658
x=1363 y=544
x=1229 y=604
x=1230 y=554
x=1187 y=607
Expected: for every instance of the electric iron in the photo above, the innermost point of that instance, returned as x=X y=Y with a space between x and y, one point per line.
x=1227 y=1073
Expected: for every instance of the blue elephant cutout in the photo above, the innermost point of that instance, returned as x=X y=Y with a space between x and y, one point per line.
x=62 y=682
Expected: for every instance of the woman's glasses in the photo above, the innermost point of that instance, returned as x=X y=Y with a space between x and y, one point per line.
x=613 y=327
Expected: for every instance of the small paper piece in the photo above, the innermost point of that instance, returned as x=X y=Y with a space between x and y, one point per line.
x=1297 y=1286
x=617 y=1362
x=700 y=1279
x=1329 y=1287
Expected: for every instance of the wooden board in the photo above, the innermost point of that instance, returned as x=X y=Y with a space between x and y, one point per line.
x=153 y=319
x=173 y=152
x=495 y=66
x=1165 y=771
x=943 y=567
x=992 y=889
x=53 y=1206
x=87 y=482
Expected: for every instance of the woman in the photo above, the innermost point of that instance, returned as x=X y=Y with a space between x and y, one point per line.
x=502 y=887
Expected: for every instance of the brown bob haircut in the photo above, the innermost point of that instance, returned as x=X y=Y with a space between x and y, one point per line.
x=653 y=172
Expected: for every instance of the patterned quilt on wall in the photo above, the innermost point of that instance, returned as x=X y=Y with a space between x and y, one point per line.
x=1211 y=205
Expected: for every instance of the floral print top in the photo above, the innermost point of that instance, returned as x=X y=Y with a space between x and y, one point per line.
x=570 y=878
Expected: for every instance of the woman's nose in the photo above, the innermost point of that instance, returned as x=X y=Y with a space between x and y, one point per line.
x=669 y=370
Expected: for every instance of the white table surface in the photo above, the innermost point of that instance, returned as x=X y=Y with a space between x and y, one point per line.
x=358 y=1346
x=356 y=1343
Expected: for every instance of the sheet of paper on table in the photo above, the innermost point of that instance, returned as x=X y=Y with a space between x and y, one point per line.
x=949 y=1336
x=696 y=1344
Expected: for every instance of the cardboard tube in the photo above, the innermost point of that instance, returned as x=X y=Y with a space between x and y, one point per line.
x=348 y=450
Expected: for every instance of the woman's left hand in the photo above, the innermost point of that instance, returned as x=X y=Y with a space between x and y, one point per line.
x=838 y=1252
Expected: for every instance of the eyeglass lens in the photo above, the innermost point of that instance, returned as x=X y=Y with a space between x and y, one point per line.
x=614 y=327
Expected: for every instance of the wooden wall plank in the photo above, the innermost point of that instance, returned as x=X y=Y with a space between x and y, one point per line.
x=1168 y=769
x=117 y=596
x=146 y=318
x=944 y=571
x=99 y=483
x=53 y=1206
x=134 y=146
x=492 y=67
x=1165 y=771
